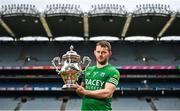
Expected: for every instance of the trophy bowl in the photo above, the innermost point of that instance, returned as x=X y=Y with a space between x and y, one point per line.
x=70 y=67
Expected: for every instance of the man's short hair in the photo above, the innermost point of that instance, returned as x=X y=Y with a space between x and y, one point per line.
x=104 y=44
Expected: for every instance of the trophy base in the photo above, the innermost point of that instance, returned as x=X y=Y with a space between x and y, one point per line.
x=69 y=87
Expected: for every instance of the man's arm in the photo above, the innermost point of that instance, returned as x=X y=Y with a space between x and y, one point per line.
x=100 y=94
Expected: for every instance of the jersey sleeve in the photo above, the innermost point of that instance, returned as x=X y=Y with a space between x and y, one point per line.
x=114 y=77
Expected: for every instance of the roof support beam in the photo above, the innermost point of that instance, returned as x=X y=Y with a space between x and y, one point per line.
x=86 y=26
x=6 y=27
x=167 y=25
x=126 y=26
x=46 y=27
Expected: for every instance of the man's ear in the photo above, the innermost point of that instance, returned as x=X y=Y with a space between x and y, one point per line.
x=110 y=53
x=94 y=52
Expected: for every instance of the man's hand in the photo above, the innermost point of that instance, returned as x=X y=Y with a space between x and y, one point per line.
x=80 y=90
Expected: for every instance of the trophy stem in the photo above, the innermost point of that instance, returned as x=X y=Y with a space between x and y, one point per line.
x=63 y=79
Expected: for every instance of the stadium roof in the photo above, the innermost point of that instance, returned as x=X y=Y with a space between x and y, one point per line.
x=85 y=19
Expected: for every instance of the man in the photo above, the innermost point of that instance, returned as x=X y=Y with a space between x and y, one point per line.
x=99 y=81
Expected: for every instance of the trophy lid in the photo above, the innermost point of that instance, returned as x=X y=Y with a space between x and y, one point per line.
x=71 y=54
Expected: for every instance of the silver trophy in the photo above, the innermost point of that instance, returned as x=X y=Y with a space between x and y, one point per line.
x=70 y=66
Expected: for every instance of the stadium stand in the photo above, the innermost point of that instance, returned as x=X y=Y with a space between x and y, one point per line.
x=41 y=103
x=129 y=103
x=8 y=103
x=74 y=103
x=161 y=53
x=142 y=89
x=167 y=103
x=59 y=20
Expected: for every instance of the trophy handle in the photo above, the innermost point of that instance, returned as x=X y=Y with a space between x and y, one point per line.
x=85 y=58
x=54 y=63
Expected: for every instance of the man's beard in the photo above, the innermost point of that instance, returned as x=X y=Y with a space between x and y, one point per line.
x=102 y=62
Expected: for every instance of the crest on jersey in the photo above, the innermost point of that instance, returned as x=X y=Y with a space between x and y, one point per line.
x=102 y=74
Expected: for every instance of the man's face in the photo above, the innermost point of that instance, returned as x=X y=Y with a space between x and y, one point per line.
x=102 y=54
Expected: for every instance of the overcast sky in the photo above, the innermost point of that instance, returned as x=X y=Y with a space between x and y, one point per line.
x=85 y=4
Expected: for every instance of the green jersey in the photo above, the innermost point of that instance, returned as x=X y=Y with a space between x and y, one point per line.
x=95 y=79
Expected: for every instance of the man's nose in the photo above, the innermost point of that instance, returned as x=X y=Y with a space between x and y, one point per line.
x=101 y=54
